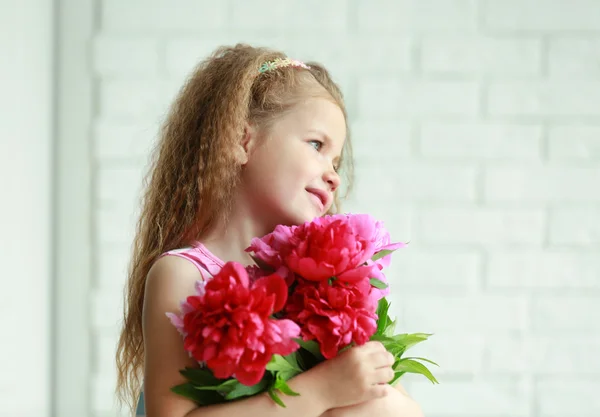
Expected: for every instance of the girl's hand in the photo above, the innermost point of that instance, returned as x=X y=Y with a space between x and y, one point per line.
x=396 y=404
x=357 y=375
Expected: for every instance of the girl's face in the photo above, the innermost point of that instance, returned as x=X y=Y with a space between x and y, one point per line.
x=290 y=175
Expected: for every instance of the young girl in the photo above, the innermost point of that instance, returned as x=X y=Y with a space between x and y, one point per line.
x=253 y=140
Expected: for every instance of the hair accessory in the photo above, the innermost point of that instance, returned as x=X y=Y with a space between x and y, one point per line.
x=280 y=63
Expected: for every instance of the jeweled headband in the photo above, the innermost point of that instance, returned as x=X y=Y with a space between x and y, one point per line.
x=280 y=63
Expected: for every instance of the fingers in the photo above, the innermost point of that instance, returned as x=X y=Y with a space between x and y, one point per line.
x=383 y=375
x=373 y=346
x=382 y=359
x=379 y=391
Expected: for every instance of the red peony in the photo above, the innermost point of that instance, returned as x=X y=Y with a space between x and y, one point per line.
x=334 y=314
x=333 y=246
x=227 y=324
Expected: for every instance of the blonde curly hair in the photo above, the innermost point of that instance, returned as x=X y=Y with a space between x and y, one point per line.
x=194 y=172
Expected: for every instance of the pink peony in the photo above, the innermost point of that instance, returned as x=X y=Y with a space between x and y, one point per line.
x=272 y=248
x=227 y=325
x=333 y=246
x=382 y=241
x=334 y=314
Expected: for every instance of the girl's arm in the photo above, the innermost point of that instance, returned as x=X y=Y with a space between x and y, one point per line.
x=171 y=280
x=397 y=404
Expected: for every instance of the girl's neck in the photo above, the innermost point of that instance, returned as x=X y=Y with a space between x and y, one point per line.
x=229 y=239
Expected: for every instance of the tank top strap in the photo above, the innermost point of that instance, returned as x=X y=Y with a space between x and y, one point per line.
x=200 y=256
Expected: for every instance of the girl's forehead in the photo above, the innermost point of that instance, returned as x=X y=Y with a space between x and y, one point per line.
x=322 y=113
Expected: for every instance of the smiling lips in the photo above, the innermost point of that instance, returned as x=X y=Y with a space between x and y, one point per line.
x=320 y=197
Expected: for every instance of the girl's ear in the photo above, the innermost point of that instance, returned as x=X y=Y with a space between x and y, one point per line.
x=247 y=144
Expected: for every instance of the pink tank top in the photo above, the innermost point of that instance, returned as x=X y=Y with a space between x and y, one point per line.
x=201 y=257
x=208 y=265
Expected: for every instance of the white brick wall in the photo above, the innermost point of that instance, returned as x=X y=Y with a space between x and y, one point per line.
x=476 y=128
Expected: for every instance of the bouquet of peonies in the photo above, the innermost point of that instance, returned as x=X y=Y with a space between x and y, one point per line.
x=318 y=289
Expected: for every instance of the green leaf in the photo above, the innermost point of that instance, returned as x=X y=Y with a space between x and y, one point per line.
x=282 y=386
x=292 y=359
x=382 y=338
x=409 y=340
x=391 y=327
x=200 y=376
x=382 y=315
x=275 y=397
x=200 y=397
x=281 y=363
x=409 y=365
x=242 y=390
x=396 y=350
x=307 y=359
x=383 y=307
x=397 y=376
x=422 y=359
x=381 y=254
x=310 y=345
x=378 y=283
x=286 y=375
x=226 y=386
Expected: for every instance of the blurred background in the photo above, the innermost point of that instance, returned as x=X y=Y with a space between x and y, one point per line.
x=476 y=125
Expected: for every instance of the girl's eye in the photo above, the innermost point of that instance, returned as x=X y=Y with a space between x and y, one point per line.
x=317 y=144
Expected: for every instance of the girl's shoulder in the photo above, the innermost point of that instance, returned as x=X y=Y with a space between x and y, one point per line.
x=174 y=274
x=199 y=256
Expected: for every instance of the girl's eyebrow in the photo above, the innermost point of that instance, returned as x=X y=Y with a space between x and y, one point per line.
x=321 y=133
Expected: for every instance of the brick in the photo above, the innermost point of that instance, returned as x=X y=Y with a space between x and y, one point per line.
x=541 y=15
x=119 y=186
x=115 y=226
x=185 y=53
x=298 y=15
x=137 y=16
x=475 y=55
x=124 y=141
x=487 y=141
x=454 y=358
x=544 y=98
x=567 y=313
x=551 y=184
x=569 y=397
x=397 y=217
x=107 y=310
x=416 y=16
x=434 y=271
x=545 y=355
x=125 y=56
x=400 y=182
x=480 y=226
x=575 y=226
x=372 y=140
x=103 y=402
x=574 y=143
x=127 y=100
x=169 y=90
x=113 y=263
x=478 y=313
x=576 y=56
x=488 y=396
x=355 y=54
x=381 y=98
x=544 y=269
x=104 y=350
